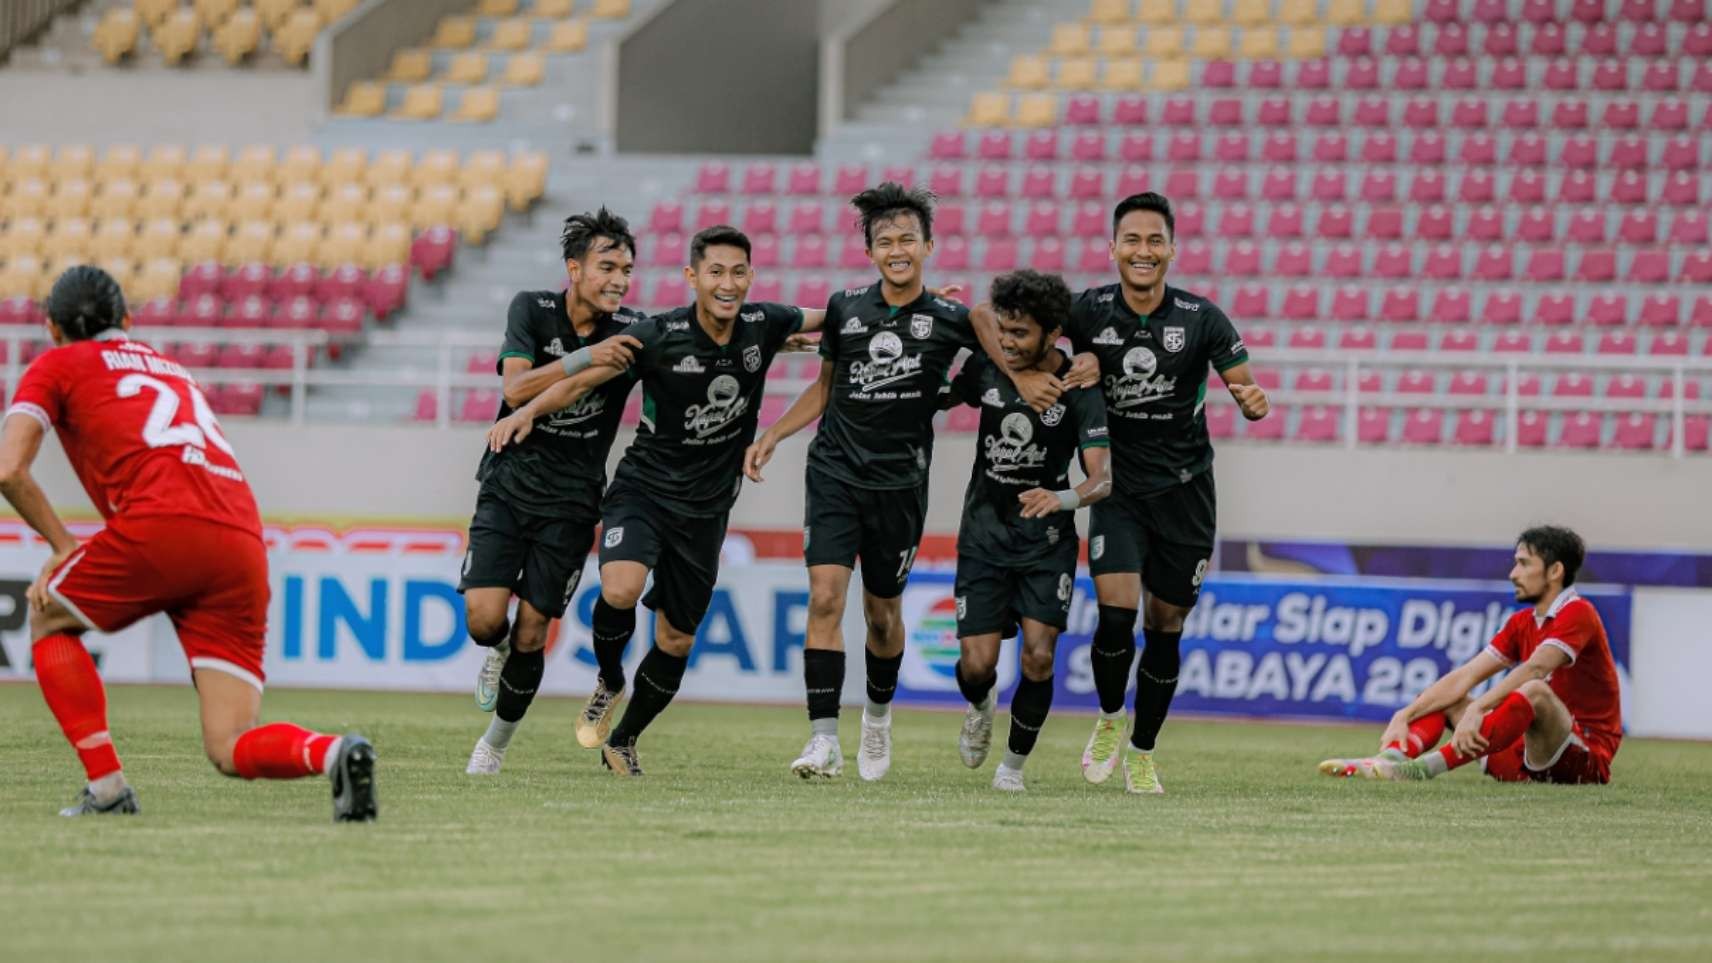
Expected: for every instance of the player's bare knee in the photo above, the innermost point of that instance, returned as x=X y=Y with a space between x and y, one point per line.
x=53 y=620
x=884 y=616
x=1162 y=616
x=485 y=627
x=529 y=634
x=825 y=602
x=1037 y=661
x=1538 y=692
x=671 y=640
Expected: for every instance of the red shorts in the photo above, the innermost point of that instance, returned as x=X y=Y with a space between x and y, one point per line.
x=1576 y=762
x=210 y=579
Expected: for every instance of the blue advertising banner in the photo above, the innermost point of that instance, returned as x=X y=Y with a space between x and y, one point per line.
x=1256 y=646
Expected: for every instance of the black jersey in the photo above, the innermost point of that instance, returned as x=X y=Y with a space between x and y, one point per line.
x=890 y=364
x=1153 y=372
x=1017 y=449
x=700 y=404
x=560 y=469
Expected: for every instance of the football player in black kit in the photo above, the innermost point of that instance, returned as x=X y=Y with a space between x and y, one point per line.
x=703 y=369
x=539 y=501
x=1017 y=544
x=1148 y=346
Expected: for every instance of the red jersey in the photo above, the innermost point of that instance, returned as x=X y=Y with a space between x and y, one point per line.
x=138 y=432
x=1588 y=685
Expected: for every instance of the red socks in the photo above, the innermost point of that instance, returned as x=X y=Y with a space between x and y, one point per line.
x=1501 y=727
x=77 y=699
x=1424 y=733
x=280 y=750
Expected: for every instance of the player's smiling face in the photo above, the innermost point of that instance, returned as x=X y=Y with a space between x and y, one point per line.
x=899 y=249
x=721 y=282
x=1021 y=341
x=1142 y=248
x=602 y=278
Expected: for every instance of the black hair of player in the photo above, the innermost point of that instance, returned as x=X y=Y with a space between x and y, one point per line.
x=1145 y=201
x=719 y=235
x=583 y=230
x=84 y=302
x=1554 y=543
x=1043 y=297
x=878 y=204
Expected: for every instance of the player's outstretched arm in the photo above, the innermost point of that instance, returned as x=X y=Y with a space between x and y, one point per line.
x=562 y=394
x=1250 y=397
x=20 y=441
x=523 y=383
x=1041 y=389
x=1450 y=689
x=811 y=404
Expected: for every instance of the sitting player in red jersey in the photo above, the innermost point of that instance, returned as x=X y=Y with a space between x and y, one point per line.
x=183 y=537
x=1554 y=717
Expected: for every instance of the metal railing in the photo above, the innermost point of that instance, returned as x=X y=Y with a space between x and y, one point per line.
x=444 y=376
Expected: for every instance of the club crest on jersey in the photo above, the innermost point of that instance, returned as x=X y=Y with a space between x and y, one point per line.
x=921 y=326
x=1108 y=336
x=690 y=365
x=853 y=326
x=1052 y=416
x=1173 y=339
x=752 y=358
x=992 y=398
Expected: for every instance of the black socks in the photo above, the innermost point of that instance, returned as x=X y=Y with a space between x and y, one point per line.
x=1155 y=684
x=823 y=678
x=1112 y=653
x=612 y=628
x=657 y=681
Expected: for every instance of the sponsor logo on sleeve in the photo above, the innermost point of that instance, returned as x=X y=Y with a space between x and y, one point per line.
x=753 y=316
x=677 y=325
x=1186 y=305
x=614 y=536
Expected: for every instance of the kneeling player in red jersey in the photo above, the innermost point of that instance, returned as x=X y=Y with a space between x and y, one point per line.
x=1555 y=717
x=183 y=537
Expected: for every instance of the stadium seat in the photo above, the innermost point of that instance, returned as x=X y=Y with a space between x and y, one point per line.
x=293 y=39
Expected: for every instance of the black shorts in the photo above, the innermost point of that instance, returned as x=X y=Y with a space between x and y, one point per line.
x=539 y=558
x=681 y=550
x=1167 y=537
x=994 y=598
x=881 y=526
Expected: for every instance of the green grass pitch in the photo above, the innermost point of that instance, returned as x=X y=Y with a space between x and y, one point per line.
x=721 y=854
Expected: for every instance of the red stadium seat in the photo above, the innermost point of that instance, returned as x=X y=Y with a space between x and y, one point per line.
x=433 y=251
x=1474 y=429
x=713 y=178
x=666 y=218
x=1581 y=429
x=807 y=217
x=804 y=180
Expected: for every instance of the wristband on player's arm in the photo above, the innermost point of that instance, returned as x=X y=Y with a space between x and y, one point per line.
x=1068 y=500
x=576 y=361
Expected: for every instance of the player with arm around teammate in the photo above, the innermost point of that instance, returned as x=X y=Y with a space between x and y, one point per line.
x=1555 y=716
x=1016 y=545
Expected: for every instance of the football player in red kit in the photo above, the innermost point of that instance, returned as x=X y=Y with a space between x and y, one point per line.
x=183 y=537
x=1555 y=716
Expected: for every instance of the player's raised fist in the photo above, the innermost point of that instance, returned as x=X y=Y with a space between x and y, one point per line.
x=1252 y=400
x=1039 y=388
x=617 y=351
x=1084 y=371
x=509 y=430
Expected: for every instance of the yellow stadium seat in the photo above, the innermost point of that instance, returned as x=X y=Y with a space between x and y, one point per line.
x=119 y=161
x=205 y=241
x=1252 y=13
x=479 y=215
x=525 y=179
x=161 y=237
x=301 y=163
x=551 y=9
x=1259 y=43
x=477 y=105
x=344 y=202
x=22 y=278
x=1298 y=13
x=525 y=70
x=612 y=9
x=75 y=161
x=1111 y=11
x=164 y=162
x=23 y=238
x=1204 y=13
x=116 y=196
x=296 y=37
x=122 y=270
x=153 y=12
x=252 y=242
x=347 y=165
x=208 y=162
x=435 y=206
x=1212 y=43
x=497 y=8
x=208 y=199
x=391 y=203
x=1070 y=40
x=255 y=200
x=115 y=237
x=469 y=67
x=1345 y=13
x=332 y=10
x=1169 y=75
x=297 y=243
x=1077 y=73
x=517 y=33
x=436 y=167
x=1116 y=40
x=364 y=99
x=28 y=198
x=214 y=12
x=343 y=244
x=1393 y=12
x=116 y=34
x=239 y=37
x=1165 y=43
x=69 y=239
x=391 y=166
x=1307 y=43
x=32 y=160
x=421 y=102
x=1126 y=74
x=256 y=162
x=455 y=33
x=1029 y=72
x=387 y=245
x=1037 y=110
x=567 y=36
x=276 y=12
x=158 y=278
x=1157 y=13
x=411 y=65
x=483 y=168
x=71 y=198
x=989 y=110
x=177 y=36
x=299 y=201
